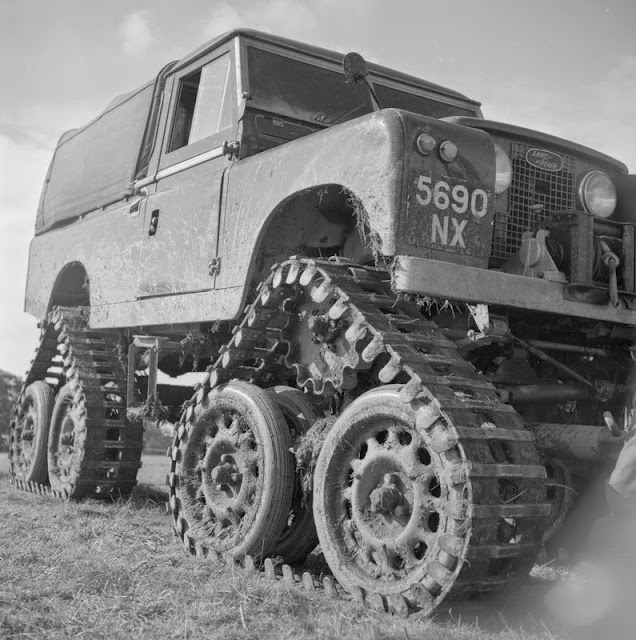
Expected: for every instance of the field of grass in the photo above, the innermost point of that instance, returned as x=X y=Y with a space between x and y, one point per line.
x=114 y=570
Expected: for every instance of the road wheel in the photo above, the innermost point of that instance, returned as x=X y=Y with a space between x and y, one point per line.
x=298 y=538
x=234 y=473
x=382 y=503
x=67 y=437
x=30 y=433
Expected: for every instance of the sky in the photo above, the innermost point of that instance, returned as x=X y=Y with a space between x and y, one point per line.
x=566 y=67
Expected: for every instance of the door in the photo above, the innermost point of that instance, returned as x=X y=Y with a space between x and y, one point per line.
x=181 y=212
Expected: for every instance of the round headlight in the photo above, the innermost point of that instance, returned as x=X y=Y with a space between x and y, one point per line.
x=503 y=170
x=598 y=194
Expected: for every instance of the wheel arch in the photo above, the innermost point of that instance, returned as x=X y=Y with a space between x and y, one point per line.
x=321 y=221
x=71 y=287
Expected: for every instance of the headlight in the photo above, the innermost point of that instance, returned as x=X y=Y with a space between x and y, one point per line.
x=598 y=194
x=503 y=170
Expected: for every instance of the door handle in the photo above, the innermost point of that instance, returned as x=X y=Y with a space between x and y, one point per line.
x=154 y=222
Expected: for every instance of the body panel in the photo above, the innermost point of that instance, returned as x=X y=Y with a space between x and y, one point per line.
x=435 y=278
x=175 y=258
x=364 y=156
x=107 y=243
x=449 y=206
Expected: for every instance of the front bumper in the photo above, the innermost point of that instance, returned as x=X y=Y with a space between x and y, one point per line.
x=447 y=280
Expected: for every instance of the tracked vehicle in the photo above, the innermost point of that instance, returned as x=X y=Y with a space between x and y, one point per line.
x=414 y=325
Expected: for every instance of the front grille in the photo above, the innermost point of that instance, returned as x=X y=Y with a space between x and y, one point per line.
x=533 y=196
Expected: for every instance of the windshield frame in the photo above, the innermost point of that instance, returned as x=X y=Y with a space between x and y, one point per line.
x=378 y=77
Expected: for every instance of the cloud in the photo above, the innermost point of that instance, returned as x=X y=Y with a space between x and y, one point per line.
x=136 y=33
x=291 y=18
x=598 y=113
x=23 y=168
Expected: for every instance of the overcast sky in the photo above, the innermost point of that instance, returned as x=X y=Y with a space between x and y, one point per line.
x=567 y=67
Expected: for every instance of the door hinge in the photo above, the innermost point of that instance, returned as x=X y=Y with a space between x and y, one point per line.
x=231 y=149
x=214 y=266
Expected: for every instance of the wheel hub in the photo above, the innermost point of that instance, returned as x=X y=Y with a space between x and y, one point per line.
x=233 y=473
x=393 y=506
x=324 y=329
x=27 y=436
x=228 y=472
x=66 y=444
x=389 y=498
x=321 y=341
x=226 y=475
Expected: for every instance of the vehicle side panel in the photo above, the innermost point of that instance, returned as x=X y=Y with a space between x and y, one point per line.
x=365 y=156
x=107 y=243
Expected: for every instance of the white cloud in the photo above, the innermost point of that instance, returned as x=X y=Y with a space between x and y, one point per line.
x=609 y=103
x=136 y=33
x=224 y=17
x=598 y=114
x=23 y=169
x=290 y=18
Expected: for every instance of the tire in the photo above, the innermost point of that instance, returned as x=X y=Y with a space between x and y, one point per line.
x=67 y=437
x=380 y=502
x=234 y=473
x=298 y=538
x=30 y=436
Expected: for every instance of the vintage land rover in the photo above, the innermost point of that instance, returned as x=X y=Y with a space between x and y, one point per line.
x=415 y=326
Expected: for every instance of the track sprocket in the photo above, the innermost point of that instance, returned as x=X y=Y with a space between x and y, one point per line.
x=337 y=327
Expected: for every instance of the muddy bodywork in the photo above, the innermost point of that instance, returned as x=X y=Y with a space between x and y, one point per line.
x=459 y=304
x=144 y=251
x=356 y=163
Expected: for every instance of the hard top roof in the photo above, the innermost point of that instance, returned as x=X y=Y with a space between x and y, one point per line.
x=317 y=52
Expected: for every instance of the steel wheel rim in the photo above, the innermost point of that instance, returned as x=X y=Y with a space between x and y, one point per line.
x=390 y=502
x=64 y=432
x=224 y=482
x=27 y=422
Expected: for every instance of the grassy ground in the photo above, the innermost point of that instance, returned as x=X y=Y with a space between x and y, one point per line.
x=114 y=570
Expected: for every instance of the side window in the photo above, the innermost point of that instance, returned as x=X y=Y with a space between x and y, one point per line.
x=204 y=105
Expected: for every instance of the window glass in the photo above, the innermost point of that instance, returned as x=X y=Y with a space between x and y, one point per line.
x=291 y=87
x=204 y=105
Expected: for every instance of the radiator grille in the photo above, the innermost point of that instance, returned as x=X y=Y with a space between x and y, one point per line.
x=533 y=196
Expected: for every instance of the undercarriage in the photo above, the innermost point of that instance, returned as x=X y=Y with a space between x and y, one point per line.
x=430 y=448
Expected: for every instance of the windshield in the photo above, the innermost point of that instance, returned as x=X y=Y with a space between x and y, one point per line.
x=300 y=90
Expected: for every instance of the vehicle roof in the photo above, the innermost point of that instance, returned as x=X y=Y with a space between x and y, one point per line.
x=318 y=52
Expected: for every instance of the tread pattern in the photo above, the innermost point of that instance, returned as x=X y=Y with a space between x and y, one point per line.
x=88 y=360
x=498 y=474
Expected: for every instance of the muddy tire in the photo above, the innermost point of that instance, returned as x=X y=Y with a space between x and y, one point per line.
x=382 y=496
x=67 y=436
x=234 y=473
x=298 y=538
x=30 y=433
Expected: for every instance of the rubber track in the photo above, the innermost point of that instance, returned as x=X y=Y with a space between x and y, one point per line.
x=497 y=462
x=69 y=352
